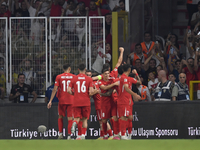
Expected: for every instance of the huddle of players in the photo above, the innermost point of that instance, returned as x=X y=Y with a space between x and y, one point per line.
x=112 y=96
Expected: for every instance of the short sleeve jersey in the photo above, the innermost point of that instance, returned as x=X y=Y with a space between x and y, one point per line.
x=105 y=100
x=81 y=84
x=124 y=96
x=62 y=81
x=97 y=97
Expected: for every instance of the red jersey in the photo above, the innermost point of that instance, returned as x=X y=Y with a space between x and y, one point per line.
x=97 y=97
x=113 y=74
x=105 y=100
x=124 y=96
x=62 y=81
x=81 y=84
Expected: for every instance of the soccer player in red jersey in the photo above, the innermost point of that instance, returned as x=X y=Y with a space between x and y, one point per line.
x=124 y=99
x=83 y=89
x=106 y=101
x=65 y=99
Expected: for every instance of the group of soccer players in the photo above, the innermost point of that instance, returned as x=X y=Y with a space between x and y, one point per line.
x=112 y=96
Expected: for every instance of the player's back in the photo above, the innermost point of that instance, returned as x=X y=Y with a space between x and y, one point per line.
x=124 y=96
x=81 y=84
x=62 y=81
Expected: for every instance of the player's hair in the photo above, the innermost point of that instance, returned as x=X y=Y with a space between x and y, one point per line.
x=54 y=78
x=81 y=67
x=122 y=1
x=138 y=44
x=20 y=74
x=106 y=65
x=88 y=70
x=66 y=66
x=126 y=67
x=105 y=69
x=120 y=70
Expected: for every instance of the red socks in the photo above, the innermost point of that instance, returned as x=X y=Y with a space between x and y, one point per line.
x=130 y=125
x=60 y=125
x=115 y=127
x=104 y=125
x=123 y=124
x=80 y=124
x=109 y=132
x=69 y=127
x=84 y=131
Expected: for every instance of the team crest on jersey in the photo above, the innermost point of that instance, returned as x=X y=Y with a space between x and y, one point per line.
x=125 y=80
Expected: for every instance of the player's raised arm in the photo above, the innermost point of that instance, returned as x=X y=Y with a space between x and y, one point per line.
x=52 y=96
x=120 y=59
x=137 y=76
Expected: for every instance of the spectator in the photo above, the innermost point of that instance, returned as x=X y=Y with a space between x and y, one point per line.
x=24 y=11
x=141 y=72
x=192 y=7
x=28 y=72
x=86 y=2
x=19 y=92
x=158 y=53
x=4 y=11
x=55 y=9
x=172 y=78
x=49 y=91
x=70 y=8
x=172 y=45
x=147 y=45
x=196 y=16
x=96 y=11
x=174 y=68
x=81 y=10
x=138 y=54
x=144 y=93
x=41 y=79
x=103 y=4
x=114 y=5
x=152 y=84
x=150 y=65
x=164 y=88
x=122 y=5
x=180 y=91
x=188 y=70
x=32 y=9
x=108 y=19
x=197 y=71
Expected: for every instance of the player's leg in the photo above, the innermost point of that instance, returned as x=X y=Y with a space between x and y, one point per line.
x=61 y=114
x=122 y=112
x=130 y=125
x=115 y=124
x=77 y=116
x=98 y=112
x=70 y=119
x=85 y=111
x=105 y=114
x=80 y=126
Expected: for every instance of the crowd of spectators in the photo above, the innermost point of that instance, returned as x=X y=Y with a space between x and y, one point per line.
x=68 y=42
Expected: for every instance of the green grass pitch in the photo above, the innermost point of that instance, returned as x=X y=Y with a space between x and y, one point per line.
x=100 y=145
